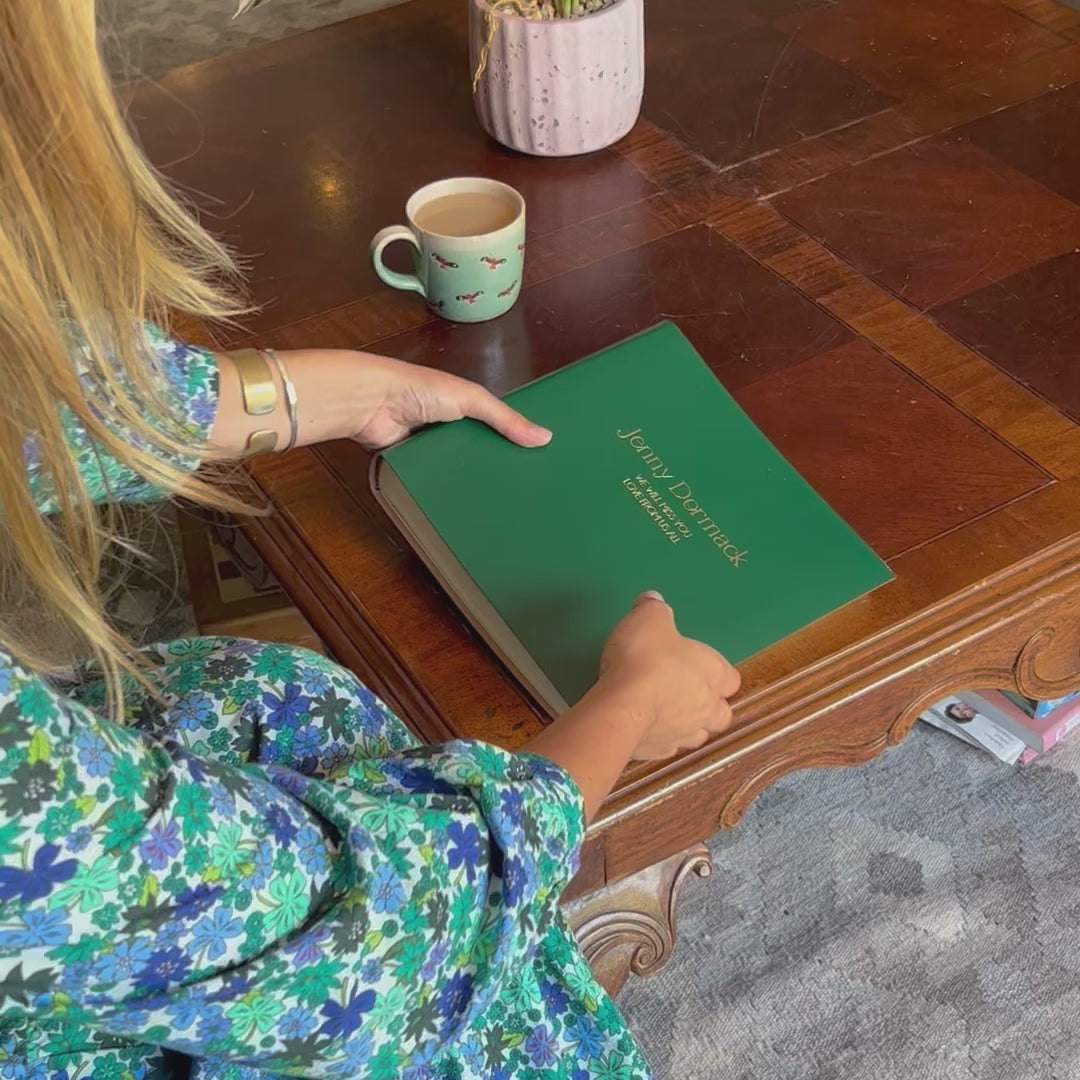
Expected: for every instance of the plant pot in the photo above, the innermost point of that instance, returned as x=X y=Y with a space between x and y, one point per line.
x=556 y=87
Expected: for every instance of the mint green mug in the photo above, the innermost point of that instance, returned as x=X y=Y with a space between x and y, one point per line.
x=468 y=241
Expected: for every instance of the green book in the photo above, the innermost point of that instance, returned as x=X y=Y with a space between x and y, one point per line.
x=655 y=479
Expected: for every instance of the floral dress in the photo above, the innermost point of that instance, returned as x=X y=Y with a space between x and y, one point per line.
x=264 y=872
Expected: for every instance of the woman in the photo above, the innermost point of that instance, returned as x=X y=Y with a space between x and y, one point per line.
x=227 y=848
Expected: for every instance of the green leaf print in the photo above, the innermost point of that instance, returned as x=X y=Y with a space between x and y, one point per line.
x=254 y=1012
x=193 y=810
x=230 y=854
x=315 y=984
x=10 y=834
x=290 y=904
x=35 y=702
x=88 y=887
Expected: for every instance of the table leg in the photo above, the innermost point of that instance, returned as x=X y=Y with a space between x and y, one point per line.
x=629 y=927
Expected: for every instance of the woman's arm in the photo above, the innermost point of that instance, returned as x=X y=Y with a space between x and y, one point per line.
x=658 y=693
x=342 y=394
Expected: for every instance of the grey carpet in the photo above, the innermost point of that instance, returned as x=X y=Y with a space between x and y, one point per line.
x=917 y=917
x=914 y=917
x=146 y=38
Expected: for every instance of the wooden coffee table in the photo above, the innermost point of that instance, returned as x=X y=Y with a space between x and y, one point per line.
x=865 y=215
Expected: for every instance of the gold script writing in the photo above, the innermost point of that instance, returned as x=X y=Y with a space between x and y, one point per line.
x=681 y=494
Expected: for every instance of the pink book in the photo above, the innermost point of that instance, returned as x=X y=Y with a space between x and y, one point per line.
x=1040 y=733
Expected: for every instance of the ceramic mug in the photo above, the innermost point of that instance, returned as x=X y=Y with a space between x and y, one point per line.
x=468 y=240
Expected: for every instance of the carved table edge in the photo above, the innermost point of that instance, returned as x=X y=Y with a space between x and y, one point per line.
x=630 y=927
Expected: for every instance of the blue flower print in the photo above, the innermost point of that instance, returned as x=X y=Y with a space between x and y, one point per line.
x=586 y=1038
x=126 y=961
x=78 y=839
x=262 y=866
x=40 y=929
x=357 y=1052
x=286 y=710
x=37 y=882
x=162 y=845
x=431 y=965
x=192 y=712
x=386 y=890
x=298 y=1023
x=94 y=756
x=283 y=826
x=290 y=782
x=164 y=968
x=311 y=848
x=541 y=1047
x=221 y=801
x=170 y=934
x=555 y=999
x=314 y=681
x=308 y=947
x=473 y=1053
x=213 y=1027
x=191 y=903
x=306 y=741
x=213 y=931
x=24 y=1070
x=465 y=847
x=202 y=408
x=455 y=996
x=372 y=970
x=514 y=880
x=345 y=1019
x=414 y=778
x=186 y=1010
x=511 y=805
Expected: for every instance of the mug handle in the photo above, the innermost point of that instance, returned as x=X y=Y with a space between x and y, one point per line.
x=392 y=278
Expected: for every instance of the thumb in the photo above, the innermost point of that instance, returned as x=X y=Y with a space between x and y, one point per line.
x=486 y=407
x=652 y=605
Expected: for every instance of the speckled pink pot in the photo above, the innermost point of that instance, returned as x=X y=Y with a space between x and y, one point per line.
x=561 y=86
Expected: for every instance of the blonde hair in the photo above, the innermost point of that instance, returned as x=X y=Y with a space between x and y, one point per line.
x=91 y=245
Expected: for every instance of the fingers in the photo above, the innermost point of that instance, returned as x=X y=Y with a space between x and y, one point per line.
x=730 y=679
x=487 y=408
x=721 y=720
x=645 y=597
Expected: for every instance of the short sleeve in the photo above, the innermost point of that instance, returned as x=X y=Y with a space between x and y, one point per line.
x=188 y=377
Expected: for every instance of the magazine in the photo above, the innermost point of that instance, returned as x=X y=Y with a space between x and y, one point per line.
x=961 y=719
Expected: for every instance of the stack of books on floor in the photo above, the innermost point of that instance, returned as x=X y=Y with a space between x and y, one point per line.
x=1014 y=729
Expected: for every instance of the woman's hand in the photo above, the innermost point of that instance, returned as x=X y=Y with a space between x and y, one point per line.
x=398 y=397
x=680 y=688
x=658 y=693
x=342 y=394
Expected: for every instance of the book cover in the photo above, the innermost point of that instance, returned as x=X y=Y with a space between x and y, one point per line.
x=655 y=479
x=1038 y=709
x=1040 y=733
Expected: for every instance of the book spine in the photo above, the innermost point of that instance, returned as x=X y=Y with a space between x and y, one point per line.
x=999 y=710
x=1061 y=722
